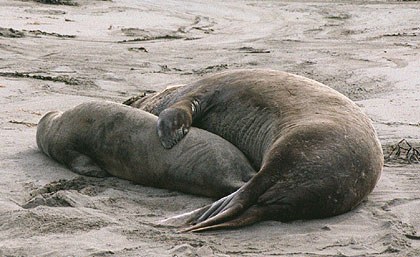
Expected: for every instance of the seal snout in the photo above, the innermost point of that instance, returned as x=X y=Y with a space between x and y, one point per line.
x=49 y=116
x=43 y=130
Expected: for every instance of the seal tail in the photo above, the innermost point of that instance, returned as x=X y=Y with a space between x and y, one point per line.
x=251 y=216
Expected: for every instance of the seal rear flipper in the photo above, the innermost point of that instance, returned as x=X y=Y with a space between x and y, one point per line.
x=185 y=218
x=232 y=206
x=84 y=165
x=226 y=208
x=250 y=216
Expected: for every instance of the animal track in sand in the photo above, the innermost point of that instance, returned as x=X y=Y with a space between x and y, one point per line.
x=65 y=193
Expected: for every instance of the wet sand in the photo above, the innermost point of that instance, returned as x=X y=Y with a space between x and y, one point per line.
x=53 y=57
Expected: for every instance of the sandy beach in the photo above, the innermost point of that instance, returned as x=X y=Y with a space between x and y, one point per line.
x=56 y=54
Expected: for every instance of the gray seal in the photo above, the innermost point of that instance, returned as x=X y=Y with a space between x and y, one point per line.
x=100 y=138
x=316 y=153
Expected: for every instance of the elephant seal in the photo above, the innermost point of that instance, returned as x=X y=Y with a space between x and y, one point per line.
x=97 y=138
x=316 y=153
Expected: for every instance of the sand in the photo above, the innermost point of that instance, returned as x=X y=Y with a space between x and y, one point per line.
x=55 y=56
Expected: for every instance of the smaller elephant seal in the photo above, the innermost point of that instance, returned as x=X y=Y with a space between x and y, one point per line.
x=98 y=138
x=316 y=153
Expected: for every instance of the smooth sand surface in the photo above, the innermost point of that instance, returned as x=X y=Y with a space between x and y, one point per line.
x=53 y=57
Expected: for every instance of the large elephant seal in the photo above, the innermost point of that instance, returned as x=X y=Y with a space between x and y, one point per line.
x=97 y=138
x=317 y=154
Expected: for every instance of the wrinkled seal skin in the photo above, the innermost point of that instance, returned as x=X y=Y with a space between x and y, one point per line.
x=317 y=154
x=97 y=138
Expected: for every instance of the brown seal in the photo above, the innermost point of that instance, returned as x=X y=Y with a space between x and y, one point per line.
x=97 y=138
x=317 y=154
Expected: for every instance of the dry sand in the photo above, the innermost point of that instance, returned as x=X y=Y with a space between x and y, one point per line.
x=57 y=56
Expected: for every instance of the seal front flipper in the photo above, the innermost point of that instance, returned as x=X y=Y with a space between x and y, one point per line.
x=175 y=121
x=84 y=165
x=173 y=124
